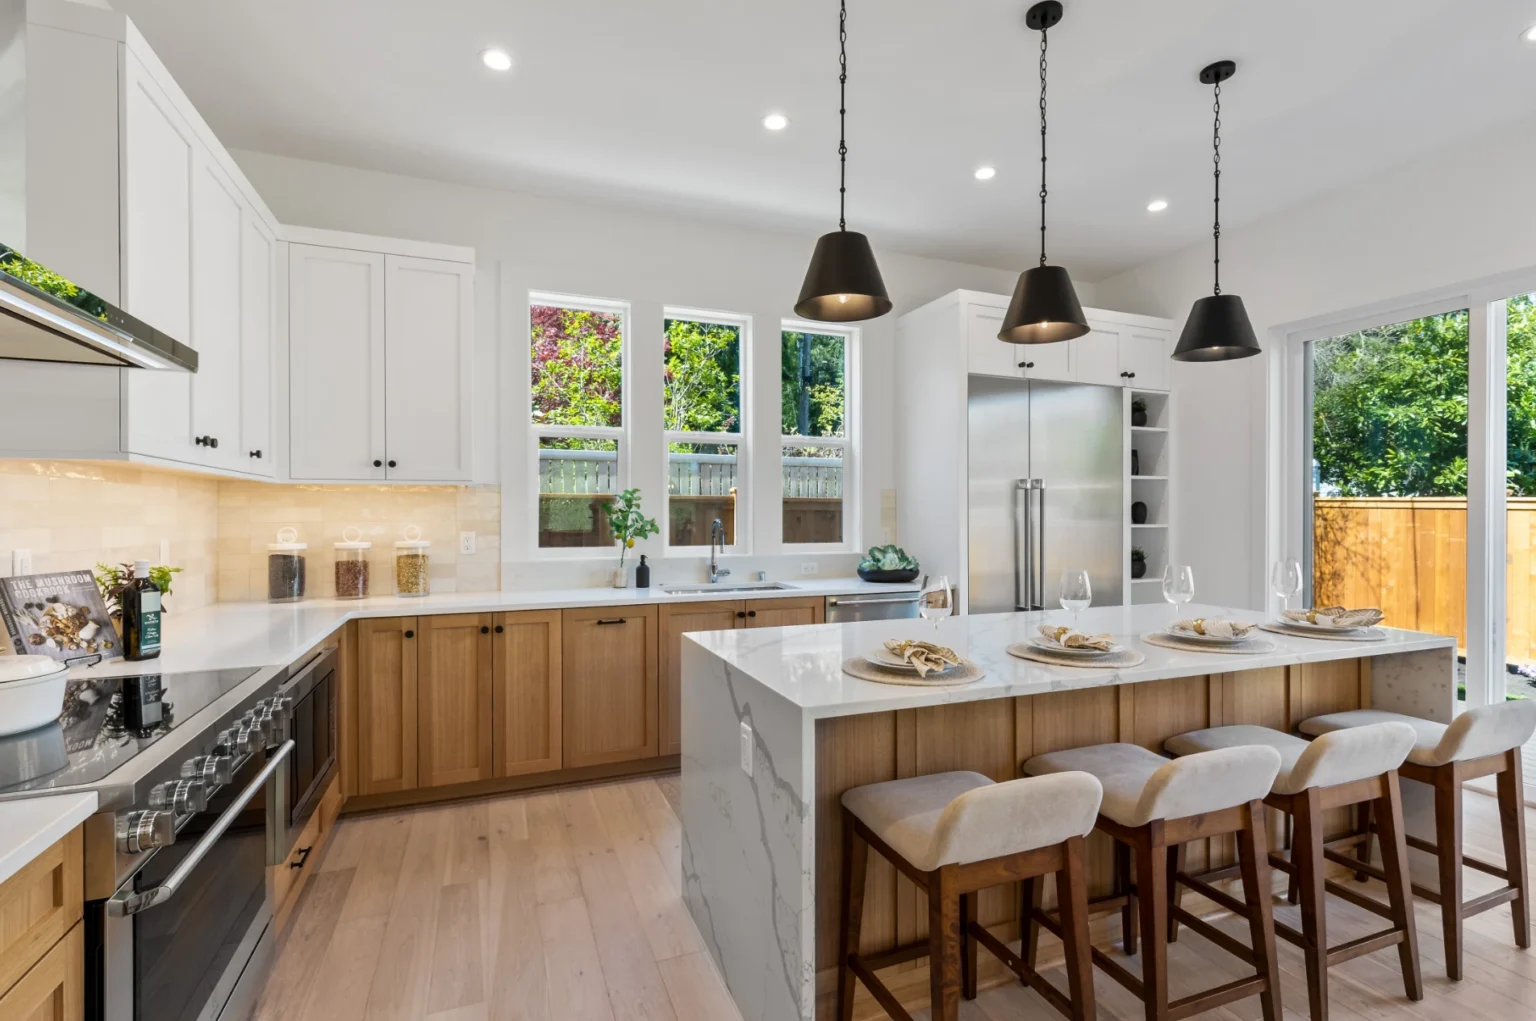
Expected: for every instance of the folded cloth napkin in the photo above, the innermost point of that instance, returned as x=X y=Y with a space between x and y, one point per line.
x=1337 y=616
x=925 y=656
x=1215 y=627
x=1070 y=639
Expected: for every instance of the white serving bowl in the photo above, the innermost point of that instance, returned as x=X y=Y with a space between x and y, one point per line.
x=31 y=692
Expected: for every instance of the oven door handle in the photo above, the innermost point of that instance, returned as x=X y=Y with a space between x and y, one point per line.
x=126 y=902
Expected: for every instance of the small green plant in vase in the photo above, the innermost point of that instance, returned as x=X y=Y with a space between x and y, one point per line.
x=1138 y=562
x=113 y=578
x=627 y=524
x=1138 y=412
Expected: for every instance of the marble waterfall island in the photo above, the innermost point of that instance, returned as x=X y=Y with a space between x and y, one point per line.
x=774 y=732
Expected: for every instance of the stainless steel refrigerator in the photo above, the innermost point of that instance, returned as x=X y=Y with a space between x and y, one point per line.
x=1046 y=489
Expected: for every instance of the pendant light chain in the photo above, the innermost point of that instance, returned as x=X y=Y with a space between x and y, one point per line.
x=842 y=116
x=1216 y=164
x=1042 y=146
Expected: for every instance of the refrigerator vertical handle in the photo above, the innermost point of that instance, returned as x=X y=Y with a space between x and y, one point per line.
x=1023 y=545
x=1037 y=541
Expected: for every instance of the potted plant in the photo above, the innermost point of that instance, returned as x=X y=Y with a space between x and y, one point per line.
x=888 y=564
x=1138 y=412
x=113 y=578
x=1138 y=562
x=627 y=524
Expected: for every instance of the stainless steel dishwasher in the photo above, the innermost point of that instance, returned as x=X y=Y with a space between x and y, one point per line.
x=871 y=606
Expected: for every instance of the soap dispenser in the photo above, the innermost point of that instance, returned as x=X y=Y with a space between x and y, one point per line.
x=643 y=574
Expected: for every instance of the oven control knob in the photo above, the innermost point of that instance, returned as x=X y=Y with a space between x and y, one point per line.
x=145 y=831
x=209 y=770
x=182 y=797
x=260 y=724
x=239 y=740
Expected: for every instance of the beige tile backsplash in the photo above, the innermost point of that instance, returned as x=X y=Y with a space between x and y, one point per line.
x=73 y=514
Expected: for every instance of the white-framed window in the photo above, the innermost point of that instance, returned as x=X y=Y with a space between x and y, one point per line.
x=578 y=406
x=704 y=355
x=818 y=411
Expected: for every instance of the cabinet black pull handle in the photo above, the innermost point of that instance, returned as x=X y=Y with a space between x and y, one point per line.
x=612 y=620
x=391 y=464
x=485 y=631
x=751 y=613
x=255 y=453
x=410 y=634
x=499 y=629
x=303 y=857
x=741 y=615
x=379 y=464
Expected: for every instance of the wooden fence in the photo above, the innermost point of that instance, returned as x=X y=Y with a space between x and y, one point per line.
x=1409 y=557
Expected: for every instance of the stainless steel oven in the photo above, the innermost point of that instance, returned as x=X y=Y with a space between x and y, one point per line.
x=307 y=705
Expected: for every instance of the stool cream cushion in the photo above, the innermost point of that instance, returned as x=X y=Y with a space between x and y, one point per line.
x=1141 y=785
x=1487 y=730
x=954 y=818
x=1341 y=757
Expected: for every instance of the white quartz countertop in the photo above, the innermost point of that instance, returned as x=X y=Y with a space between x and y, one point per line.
x=259 y=635
x=30 y=827
x=804 y=664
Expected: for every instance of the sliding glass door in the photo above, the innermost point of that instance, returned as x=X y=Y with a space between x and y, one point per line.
x=1520 y=512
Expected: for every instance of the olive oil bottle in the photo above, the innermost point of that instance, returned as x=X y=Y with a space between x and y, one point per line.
x=141 y=615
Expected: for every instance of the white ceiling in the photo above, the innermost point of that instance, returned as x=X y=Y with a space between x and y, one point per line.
x=660 y=103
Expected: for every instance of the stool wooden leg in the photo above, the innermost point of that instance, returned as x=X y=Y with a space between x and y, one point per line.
x=1125 y=888
x=1448 y=840
x=1394 y=857
x=1512 y=823
x=1031 y=892
x=1307 y=854
x=1072 y=893
x=1152 y=904
x=1253 y=854
x=855 y=864
x=1175 y=891
x=1364 y=850
x=967 y=946
x=943 y=945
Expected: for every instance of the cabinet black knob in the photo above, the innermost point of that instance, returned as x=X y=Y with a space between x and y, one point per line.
x=751 y=613
x=1130 y=375
x=485 y=631
x=1026 y=365
x=740 y=615
x=410 y=634
x=213 y=441
x=499 y=629
x=201 y=441
x=391 y=464
x=377 y=463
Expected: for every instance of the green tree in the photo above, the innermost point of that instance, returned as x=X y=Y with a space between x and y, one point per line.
x=1521 y=396
x=578 y=374
x=701 y=376
x=811 y=383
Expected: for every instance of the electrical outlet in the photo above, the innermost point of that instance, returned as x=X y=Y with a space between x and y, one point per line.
x=809 y=567
x=21 y=562
x=467 y=543
x=746 y=748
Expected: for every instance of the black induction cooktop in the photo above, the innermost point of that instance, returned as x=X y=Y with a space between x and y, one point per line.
x=106 y=721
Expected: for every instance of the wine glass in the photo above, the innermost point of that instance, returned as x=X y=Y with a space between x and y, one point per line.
x=936 y=601
x=1178 y=585
x=1076 y=593
x=1285 y=581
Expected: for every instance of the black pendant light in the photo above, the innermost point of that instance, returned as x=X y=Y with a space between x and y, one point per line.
x=843 y=284
x=1044 y=308
x=1217 y=329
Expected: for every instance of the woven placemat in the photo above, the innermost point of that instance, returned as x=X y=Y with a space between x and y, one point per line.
x=1250 y=647
x=864 y=670
x=1370 y=634
x=1125 y=657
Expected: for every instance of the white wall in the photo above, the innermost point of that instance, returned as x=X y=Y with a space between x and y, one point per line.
x=526 y=242
x=1462 y=214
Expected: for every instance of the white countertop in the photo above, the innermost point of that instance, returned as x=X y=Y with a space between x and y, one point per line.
x=30 y=827
x=804 y=664
x=258 y=635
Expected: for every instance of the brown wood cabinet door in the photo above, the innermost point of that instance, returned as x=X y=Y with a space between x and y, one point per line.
x=386 y=705
x=39 y=904
x=526 y=693
x=609 y=689
x=54 y=990
x=784 y=612
x=454 y=699
x=676 y=621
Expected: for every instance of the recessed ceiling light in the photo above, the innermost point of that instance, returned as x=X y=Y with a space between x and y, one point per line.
x=1157 y=205
x=985 y=173
x=496 y=59
x=775 y=122
x=1530 y=34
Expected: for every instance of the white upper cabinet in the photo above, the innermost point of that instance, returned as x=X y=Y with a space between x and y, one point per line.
x=1098 y=356
x=1124 y=350
x=381 y=364
x=1144 y=355
x=335 y=364
x=217 y=286
x=1046 y=361
x=258 y=311
x=987 y=355
x=428 y=368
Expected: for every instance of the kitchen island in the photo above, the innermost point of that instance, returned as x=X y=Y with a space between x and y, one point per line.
x=774 y=732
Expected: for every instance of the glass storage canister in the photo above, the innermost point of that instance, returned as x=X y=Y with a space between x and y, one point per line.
x=352 y=564
x=411 y=564
x=285 y=567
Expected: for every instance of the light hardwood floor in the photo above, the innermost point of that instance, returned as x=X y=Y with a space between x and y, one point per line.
x=564 y=906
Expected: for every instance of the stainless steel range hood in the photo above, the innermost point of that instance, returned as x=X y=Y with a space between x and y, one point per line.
x=45 y=318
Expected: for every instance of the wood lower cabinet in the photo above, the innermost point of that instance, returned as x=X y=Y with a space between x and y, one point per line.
x=785 y=612
x=676 y=621
x=453 y=686
x=38 y=905
x=526 y=688
x=54 y=990
x=386 y=705
x=609 y=690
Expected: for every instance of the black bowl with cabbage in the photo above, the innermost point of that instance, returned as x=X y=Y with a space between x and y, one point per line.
x=889 y=564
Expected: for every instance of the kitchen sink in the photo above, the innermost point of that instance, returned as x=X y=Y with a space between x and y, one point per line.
x=746 y=586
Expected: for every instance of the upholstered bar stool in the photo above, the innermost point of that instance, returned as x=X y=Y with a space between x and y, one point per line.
x=955 y=834
x=1336 y=770
x=1152 y=805
x=1481 y=742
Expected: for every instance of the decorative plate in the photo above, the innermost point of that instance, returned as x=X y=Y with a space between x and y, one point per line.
x=888 y=660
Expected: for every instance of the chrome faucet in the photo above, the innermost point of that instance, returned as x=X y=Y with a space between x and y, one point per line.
x=716 y=535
